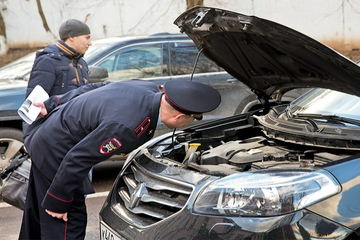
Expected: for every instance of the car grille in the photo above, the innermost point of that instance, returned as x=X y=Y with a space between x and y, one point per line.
x=148 y=198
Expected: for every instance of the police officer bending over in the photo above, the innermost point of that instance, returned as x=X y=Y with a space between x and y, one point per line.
x=103 y=119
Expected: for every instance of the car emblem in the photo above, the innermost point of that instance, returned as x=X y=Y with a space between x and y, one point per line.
x=136 y=195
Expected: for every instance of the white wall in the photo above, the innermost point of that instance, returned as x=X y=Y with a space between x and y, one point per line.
x=105 y=18
x=333 y=22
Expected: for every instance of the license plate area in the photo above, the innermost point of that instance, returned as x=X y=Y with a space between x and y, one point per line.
x=107 y=234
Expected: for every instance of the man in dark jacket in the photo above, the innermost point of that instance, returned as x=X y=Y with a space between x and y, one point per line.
x=112 y=118
x=60 y=67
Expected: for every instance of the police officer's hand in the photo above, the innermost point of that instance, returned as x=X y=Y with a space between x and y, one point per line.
x=43 y=111
x=62 y=216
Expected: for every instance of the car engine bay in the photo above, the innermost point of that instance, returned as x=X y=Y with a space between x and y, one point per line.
x=239 y=144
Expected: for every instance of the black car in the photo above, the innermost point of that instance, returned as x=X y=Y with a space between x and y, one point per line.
x=289 y=171
x=159 y=58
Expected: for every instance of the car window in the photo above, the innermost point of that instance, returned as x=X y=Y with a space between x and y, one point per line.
x=141 y=61
x=183 y=56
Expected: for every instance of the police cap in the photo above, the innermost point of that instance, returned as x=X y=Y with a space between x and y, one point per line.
x=191 y=98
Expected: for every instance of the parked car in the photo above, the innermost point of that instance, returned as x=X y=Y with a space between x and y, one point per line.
x=289 y=171
x=158 y=58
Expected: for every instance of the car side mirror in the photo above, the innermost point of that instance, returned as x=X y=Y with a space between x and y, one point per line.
x=98 y=74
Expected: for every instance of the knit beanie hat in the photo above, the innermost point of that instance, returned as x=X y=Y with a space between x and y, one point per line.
x=73 y=28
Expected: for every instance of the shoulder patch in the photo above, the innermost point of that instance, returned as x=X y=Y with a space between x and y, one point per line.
x=110 y=145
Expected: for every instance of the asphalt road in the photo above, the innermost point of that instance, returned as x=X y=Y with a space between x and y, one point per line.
x=103 y=177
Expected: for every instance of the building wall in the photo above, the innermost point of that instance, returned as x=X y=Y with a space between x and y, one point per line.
x=333 y=22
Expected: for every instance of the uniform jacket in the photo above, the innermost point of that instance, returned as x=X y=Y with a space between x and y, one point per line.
x=58 y=69
x=112 y=119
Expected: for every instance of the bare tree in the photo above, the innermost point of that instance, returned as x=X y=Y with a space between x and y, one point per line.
x=2 y=23
x=193 y=3
x=3 y=45
x=43 y=19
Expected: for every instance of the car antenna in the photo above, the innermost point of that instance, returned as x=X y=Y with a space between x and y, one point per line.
x=196 y=61
x=192 y=74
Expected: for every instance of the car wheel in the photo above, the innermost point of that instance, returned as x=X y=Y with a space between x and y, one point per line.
x=11 y=145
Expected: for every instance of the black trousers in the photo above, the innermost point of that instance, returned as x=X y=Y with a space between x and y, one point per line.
x=37 y=224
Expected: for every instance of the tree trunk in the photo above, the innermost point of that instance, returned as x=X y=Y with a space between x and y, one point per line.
x=193 y=3
x=2 y=26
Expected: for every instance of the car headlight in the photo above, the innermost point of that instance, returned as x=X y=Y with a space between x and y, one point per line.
x=266 y=193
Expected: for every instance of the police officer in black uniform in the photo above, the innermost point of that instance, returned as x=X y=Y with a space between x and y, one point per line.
x=91 y=124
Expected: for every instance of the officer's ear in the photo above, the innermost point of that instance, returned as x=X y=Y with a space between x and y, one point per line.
x=179 y=115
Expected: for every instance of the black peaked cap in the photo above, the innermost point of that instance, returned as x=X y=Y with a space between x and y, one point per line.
x=191 y=97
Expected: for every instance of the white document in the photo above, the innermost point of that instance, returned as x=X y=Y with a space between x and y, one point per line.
x=28 y=112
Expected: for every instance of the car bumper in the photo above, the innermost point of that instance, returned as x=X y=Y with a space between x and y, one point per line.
x=186 y=225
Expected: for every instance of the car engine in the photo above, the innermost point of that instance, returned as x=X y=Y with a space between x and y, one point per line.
x=257 y=153
x=240 y=146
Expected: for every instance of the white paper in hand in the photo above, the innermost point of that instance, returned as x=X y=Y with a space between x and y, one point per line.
x=28 y=112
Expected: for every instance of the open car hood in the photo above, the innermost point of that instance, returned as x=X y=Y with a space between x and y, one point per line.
x=268 y=57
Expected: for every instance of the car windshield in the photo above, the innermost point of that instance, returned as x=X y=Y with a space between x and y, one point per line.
x=327 y=102
x=18 y=69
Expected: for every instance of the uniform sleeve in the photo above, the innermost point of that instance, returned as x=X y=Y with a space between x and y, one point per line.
x=57 y=100
x=43 y=74
x=103 y=142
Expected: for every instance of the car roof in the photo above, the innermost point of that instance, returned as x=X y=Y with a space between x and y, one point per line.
x=109 y=44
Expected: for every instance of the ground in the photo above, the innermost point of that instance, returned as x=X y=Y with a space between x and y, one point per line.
x=14 y=54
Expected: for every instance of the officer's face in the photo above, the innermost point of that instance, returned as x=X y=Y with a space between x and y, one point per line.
x=179 y=120
x=81 y=43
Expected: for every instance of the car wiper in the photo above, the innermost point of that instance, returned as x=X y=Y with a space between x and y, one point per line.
x=334 y=118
